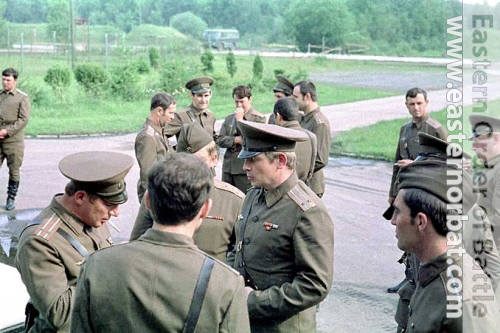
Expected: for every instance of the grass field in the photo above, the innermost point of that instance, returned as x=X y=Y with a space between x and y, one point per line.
x=383 y=136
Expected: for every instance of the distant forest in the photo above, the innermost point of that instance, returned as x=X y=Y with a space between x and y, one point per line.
x=415 y=24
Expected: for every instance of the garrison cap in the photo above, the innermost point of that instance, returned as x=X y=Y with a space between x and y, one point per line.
x=99 y=172
x=284 y=85
x=259 y=138
x=483 y=125
x=433 y=147
x=429 y=176
x=200 y=85
x=192 y=138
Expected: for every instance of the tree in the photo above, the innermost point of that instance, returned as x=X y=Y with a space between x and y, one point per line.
x=58 y=19
x=189 y=24
x=231 y=64
x=257 y=68
x=207 y=60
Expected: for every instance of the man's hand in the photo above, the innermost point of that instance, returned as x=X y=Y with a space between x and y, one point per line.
x=3 y=133
x=248 y=290
x=239 y=113
x=238 y=140
x=402 y=163
x=466 y=164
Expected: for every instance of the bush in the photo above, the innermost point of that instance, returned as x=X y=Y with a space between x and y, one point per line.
x=125 y=82
x=58 y=78
x=189 y=24
x=142 y=66
x=93 y=78
x=173 y=77
x=154 y=57
x=257 y=68
x=207 y=60
x=231 y=64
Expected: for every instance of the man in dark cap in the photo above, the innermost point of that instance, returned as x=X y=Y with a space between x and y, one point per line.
x=14 y=116
x=163 y=282
x=284 y=238
x=286 y=113
x=408 y=147
x=284 y=88
x=230 y=137
x=55 y=244
x=315 y=121
x=446 y=298
x=200 y=94
x=213 y=236
x=151 y=142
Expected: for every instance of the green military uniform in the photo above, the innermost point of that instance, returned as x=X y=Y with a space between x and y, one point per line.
x=14 y=116
x=161 y=270
x=408 y=145
x=305 y=151
x=150 y=142
x=48 y=262
x=191 y=114
x=284 y=243
x=316 y=122
x=284 y=86
x=232 y=167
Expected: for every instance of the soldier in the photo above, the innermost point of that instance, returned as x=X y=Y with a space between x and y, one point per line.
x=53 y=247
x=200 y=94
x=163 y=282
x=230 y=138
x=315 y=121
x=213 y=237
x=286 y=113
x=14 y=115
x=284 y=237
x=447 y=297
x=151 y=141
x=408 y=146
x=284 y=88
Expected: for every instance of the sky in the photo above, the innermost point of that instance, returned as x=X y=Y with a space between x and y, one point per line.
x=490 y=2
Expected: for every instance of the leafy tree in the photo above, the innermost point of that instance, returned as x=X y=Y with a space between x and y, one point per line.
x=94 y=78
x=257 y=69
x=231 y=64
x=154 y=57
x=189 y=24
x=58 y=78
x=207 y=60
x=58 y=19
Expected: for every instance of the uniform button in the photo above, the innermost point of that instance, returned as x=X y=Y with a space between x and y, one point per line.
x=412 y=325
x=409 y=310
x=255 y=219
x=246 y=241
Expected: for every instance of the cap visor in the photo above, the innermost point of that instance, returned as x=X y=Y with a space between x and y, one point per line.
x=115 y=199
x=248 y=154
x=201 y=91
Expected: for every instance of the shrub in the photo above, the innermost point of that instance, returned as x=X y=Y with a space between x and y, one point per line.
x=207 y=60
x=231 y=64
x=125 y=82
x=37 y=92
x=154 y=57
x=58 y=78
x=257 y=68
x=142 y=66
x=189 y=24
x=173 y=77
x=93 y=78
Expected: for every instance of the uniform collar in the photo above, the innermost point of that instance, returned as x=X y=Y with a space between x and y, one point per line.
x=157 y=128
x=430 y=270
x=292 y=124
x=247 y=113
x=197 y=112
x=165 y=238
x=311 y=114
x=71 y=220
x=419 y=123
x=13 y=92
x=279 y=192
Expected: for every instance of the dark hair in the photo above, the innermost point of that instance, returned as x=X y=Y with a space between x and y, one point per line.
x=413 y=92
x=242 y=91
x=10 y=72
x=307 y=87
x=72 y=187
x=287 y=108
x=420 y=201
x=178 y=186
x=163 y=100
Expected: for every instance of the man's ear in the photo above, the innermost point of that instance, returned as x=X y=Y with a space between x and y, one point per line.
x=147 y=201
x=205 y=209
x=282 y=159
x=79 y=197
x=423 y=222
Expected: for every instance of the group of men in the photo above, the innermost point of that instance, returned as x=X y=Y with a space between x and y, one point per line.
x=254 y=252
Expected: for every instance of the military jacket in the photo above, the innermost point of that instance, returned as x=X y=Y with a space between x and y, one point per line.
x=148 y=285
x=408 y=145
x=427 y=311
x=213 y=236
x=149 y=144
x=187 y=115
x=14 y=114
x=305 y=151
x=229 y=130
x=49 y=265
x=286 y=248
x=316 y=122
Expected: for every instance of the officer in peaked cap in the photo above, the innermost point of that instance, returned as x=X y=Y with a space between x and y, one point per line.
x=284 y=88
x=283 y=217
x=65 y=232
x=213 y=236
x=200 y=93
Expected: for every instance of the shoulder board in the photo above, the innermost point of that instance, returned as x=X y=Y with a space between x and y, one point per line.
x=208 y=111
x=301 y=197
x=150 y=131
x=257 y=113
x=433 y=122
x=228 y=187
x=21 y=92
x=318 y=118
x=48 y=227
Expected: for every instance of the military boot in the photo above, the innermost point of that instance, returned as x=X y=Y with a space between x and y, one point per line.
x=11 y=194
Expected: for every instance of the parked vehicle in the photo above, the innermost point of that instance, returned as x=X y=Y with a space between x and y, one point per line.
x=221 y=39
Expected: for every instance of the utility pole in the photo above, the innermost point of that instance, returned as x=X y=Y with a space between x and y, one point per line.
x=72 y=34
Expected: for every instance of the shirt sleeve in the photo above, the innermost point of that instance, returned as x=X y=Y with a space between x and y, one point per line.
x=80 y=318
x=225 y=139
x=236 y=318
x=323 y=140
